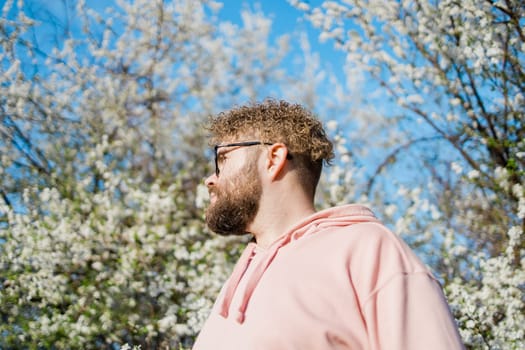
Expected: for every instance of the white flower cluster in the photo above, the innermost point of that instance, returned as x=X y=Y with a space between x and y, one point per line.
x=489 y=310
x=129 y=262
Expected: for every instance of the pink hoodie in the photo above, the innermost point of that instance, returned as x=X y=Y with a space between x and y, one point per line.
x=337 y=280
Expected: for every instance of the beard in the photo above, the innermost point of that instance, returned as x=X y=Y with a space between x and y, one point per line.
x=237 y=204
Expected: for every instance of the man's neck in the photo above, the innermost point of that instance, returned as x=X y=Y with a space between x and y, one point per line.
x=278 y=216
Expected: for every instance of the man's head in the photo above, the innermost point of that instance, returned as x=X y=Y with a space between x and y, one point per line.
x=279 y=121
x=240 y=136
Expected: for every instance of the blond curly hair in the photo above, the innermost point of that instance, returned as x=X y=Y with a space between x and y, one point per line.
x=278 y=121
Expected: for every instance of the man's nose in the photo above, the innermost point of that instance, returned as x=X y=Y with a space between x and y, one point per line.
x=210 y=180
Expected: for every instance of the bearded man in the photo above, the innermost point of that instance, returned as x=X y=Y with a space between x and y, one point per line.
x=310 y=280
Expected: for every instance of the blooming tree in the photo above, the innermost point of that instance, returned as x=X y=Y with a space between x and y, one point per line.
x=453 y=73
x=102 y=240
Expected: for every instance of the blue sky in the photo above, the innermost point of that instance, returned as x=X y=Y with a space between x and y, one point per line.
x=285 y=19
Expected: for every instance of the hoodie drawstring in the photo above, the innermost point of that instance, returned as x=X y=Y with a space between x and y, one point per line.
x=233 y=282
x=257 y=275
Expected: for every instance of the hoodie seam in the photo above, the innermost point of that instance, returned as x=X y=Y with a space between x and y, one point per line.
x=389 y=280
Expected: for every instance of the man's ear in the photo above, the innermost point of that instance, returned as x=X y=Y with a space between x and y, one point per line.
x=276 y=160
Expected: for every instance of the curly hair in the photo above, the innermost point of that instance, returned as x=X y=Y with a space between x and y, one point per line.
x=279 y=121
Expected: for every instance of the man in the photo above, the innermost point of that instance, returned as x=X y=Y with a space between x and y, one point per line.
x=333 y=279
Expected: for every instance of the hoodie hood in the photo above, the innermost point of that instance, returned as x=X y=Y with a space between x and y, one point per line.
x=333 y=217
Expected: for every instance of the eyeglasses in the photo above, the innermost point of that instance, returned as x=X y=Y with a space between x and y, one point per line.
x=238 y=144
